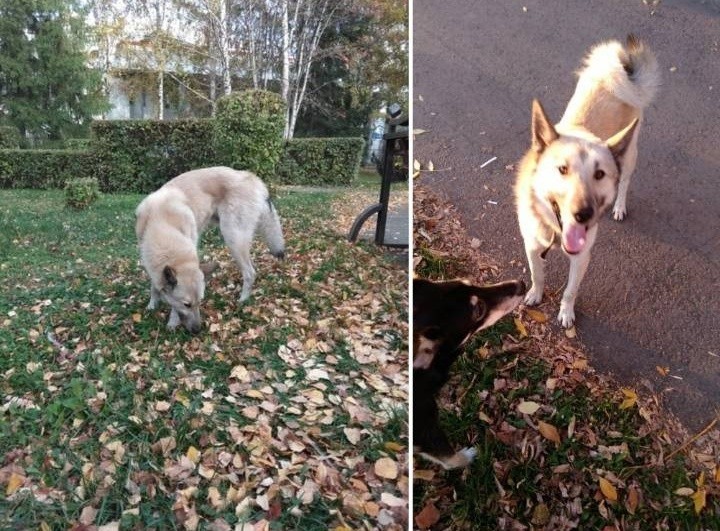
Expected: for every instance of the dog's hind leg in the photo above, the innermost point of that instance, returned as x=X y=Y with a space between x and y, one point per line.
x=239 y=240
x=628 y=167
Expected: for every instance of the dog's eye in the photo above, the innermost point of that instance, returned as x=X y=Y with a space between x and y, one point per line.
x=563 y=169
x=599 y=174
x=187 y=304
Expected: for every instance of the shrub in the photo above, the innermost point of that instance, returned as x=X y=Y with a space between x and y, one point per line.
x=316 y=161
x=9 y=137
x=78 y=144
x=81 y=193
x=43 y=168
x=248 y=129
x=142 y=155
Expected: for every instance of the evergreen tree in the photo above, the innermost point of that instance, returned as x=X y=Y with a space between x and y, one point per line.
x=46 y=87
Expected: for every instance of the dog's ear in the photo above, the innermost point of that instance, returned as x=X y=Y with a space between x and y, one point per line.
x=169 y=277
x=543 y=132
x=619 y=142
x=479 y=308
x=208 y=267
x=427 y=344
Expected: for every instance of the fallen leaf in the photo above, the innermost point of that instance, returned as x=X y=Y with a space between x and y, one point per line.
x=136 y=317
x=541 y=515
x=394 y=447
x=520 y=327
x=528 y=408
x=425 y=475
x=663 y=371
x=193 y=454
x=14 y=483
x=633 y=499
x=570 y=332
x=353 y=435
x=684 y=491
x=536 y=315
x=549 y=431
x=428 y=517
x=608 y=490
x=386 y=468
x=430 y=166
x=699 y=499
x=630 y=398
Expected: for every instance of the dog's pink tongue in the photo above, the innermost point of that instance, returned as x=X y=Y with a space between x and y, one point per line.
x=574 y=237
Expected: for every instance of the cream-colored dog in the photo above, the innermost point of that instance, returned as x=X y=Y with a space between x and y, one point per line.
x=171 y=220
x=575 y=169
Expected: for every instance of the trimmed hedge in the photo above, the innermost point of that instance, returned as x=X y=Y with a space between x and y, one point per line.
x=9 y=137
x=142 y=155
x=248 y=128
x=79 y=144
x=81 y=193
x=44 y=168
x=316 y=161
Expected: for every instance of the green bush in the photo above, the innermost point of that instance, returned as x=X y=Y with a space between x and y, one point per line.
x=82 y=192
x=142 y=155
x=78 y=144
x=248 y=128
x=44 y=168
x=321 y=161
x=9 y=137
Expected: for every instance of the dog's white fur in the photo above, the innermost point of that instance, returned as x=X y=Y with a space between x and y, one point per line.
x=169 y=224
x=575 y=169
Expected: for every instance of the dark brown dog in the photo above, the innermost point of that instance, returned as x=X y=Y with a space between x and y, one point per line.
x=445 y=315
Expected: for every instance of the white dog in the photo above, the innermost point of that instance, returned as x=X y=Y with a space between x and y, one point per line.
x=171 y=220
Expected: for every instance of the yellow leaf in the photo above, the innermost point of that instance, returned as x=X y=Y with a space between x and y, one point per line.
x=520 y=327
x=416 y=165
x=193 y=454
x=663 y=371
x=699 y=499
x=136 y=317
x=394 y=447
x=570 y=332
x=536 y=315
x=716 y=474
x=608 y=490
x=425 y=475
x=630 y=399
x=700 y=481
x=549 y=431
x=14 y=483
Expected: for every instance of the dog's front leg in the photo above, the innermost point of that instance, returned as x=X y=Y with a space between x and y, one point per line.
x=534 y=250
x=174 y=320
x=578 y=267
x=154 y=298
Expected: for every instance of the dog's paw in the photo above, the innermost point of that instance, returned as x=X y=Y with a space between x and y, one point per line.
x=566 y=316
x=533 y=297
x=619 y=213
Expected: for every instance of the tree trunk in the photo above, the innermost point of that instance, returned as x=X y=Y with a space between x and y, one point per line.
x=225 y=48
x=285 y=88
x=161 y=94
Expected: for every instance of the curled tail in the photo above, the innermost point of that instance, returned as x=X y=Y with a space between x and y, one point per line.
x=629 y=71
x=272 y=231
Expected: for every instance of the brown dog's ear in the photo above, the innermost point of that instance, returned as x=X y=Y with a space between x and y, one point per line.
x=619 y=142
x=543 y=132
x=427 y=344
x=208 y=267
x=479 y=308
x=169 y=276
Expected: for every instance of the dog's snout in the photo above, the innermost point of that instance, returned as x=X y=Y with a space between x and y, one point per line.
x=584 y=214
x=195 y=328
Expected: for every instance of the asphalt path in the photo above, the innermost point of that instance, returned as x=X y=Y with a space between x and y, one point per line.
x=651 y=296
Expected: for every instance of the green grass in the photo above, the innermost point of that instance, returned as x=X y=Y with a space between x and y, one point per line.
x=97 y=382
x=512 y=453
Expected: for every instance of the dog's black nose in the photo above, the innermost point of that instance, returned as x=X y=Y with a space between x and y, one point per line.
x=584 y=214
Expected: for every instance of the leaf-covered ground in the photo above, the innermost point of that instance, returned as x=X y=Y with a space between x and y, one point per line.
x=560 y=446
x=287 y=412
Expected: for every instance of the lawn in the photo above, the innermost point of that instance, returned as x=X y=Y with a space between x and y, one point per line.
x=559 y=446
x=286 y=412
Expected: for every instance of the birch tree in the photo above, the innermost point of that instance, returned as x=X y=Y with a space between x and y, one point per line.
x=303 y=24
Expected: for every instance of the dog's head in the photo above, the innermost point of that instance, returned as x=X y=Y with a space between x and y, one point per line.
x=183 y=289
x=446 y=314
x=577 y=177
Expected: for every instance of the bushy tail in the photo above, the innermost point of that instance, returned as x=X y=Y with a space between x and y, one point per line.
x=630 y=71
x=272 y=231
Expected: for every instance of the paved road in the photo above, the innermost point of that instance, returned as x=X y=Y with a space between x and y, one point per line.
x=652 y=293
